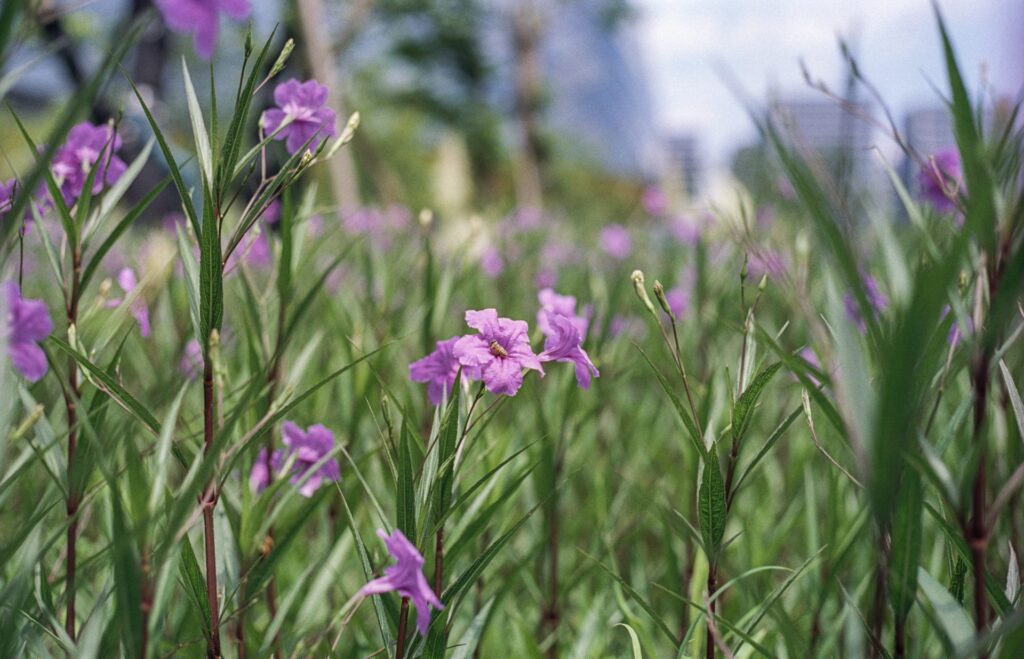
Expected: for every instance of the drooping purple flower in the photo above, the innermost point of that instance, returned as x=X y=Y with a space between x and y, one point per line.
x=551 y=303
x=565 y=344
x=499 y=353
x=301 y=114
x=406 y=578
x=615 y=241
x=940 y=178
x=201 y=19
x=127 y=280
x=307 y=447
x=438 y=370
x=27 y=323
x=191 y=363
x=87 y=146
x=655 y=201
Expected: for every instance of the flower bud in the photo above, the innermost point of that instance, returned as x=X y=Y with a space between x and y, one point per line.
x=282 y=59
x=641 y=291
x=426 y=218
x=659 y=293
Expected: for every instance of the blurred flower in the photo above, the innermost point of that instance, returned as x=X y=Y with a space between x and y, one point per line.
x=654 y=200
x=686 y=229
x=939 y=179
x=85 y=146
x=6 y=196
x=955 y=332
x=626 y=325
x=491 y=262
x=271 y=215
x=191 y=359
x=438 y=370
x=525 y=218
x=564 y=344
x=615 y=241
x=766 y=262
x=27 y=324
x=201 y=19
x=381 y=226
x=812 y=360
x=406 y=578
x=785 y=188
x=764 y=217
x=127 y=280
x=300 y=114
x=307 y=447
x=546 y=278
x=499 y=353
x=877 y=301
x=678 y=299
x=553 y=304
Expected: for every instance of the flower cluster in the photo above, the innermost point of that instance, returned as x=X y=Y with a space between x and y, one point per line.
x=500 y=352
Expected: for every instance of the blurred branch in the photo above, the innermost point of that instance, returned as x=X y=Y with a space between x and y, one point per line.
x=322 y=63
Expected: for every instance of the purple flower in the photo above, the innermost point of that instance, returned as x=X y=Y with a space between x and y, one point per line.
x=939 y=179
x=551 y=303
x=877 y=301
x=300 y=114
x=438 y=370
x=28 y=323
x=86 y=145
x=307 y=447
x=406 y=578
x=764 y=263
x=201 y=19
x=685 y=229
x=127 y=280
x=499 y=353
x=6 y=196
x=812 y=360
x=678 y=299
x=615 y=241
x=491 y=262
x=955 y=331
x=564 y=344
x=191 y=359
x=655 y=201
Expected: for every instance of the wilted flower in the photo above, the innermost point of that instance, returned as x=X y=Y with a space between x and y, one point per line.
x=300 y=114
x=307 y=447
x=551 y=303
x=565 y=344
x=201 y=19
x=438 y=370
x=86 y=145
x=28 y=322
x=406 y=578
x=939 y=179
x=191 y=363
x=615 y=241
x=127 y=280
x=499 y=353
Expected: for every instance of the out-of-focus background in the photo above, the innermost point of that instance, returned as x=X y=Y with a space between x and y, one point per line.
x=501 y=103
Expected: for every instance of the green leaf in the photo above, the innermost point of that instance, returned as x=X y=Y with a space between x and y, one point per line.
x=202 y=138
x=711 y=505
x=1015 y=400
x=954 y=623
x=195 y=586
x=406 y=497
x=906 y=544
x=211 y=274
x=691 y=427
x=743 y=410
x=634 y=640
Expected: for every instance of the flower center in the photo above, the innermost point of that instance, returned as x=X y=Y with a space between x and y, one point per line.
x=498 y=350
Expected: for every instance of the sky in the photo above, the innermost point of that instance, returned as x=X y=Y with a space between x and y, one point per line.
x=761 y=42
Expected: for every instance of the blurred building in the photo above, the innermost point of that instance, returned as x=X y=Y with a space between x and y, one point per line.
x=683 y=164
x=599 y=95
x=926 y=131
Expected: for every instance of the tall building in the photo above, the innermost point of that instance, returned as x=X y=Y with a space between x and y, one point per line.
x=683 y=164
x=927 y=130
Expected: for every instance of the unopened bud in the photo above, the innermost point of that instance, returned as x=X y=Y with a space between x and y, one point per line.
x=659 y=293
x=641 y=291
x=282 y=59
x=426 y=218
x=27 y=424
x=248 y=41
x=763 y=284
